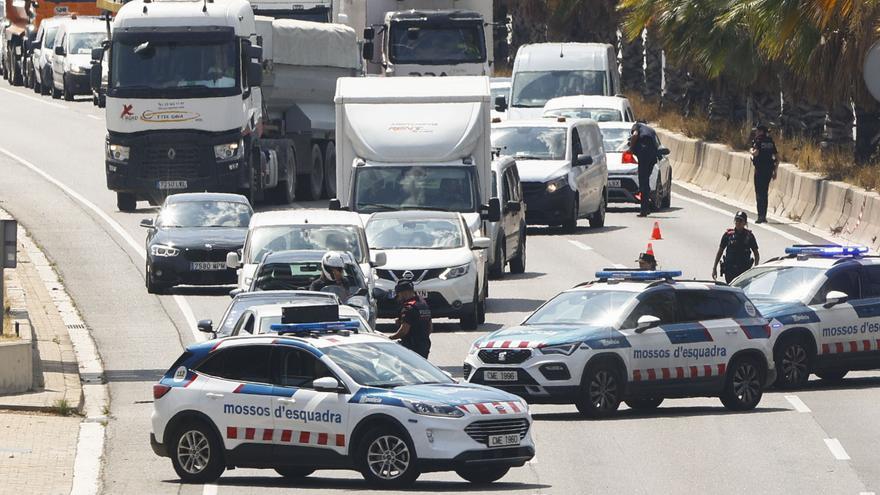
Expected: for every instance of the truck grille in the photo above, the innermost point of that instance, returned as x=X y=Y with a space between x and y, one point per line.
x=417 y=275
x=158 y=164
x=205 y=255
x=511 y=356
x=480 y=430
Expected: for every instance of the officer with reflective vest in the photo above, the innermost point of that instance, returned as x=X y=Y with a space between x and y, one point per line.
x=415 y=323
x=737 y=246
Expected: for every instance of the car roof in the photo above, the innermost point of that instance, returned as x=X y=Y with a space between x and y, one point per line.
x=306 y=216
x=585 y=101
x=416 y=214
x=321 y=342
x=202 y=196
x=544 y=122
x=85 y=25
x=820 y=261
x=302 y=255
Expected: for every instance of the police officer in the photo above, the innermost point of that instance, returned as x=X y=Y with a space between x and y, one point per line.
x=764 y=160
x=739 y=244
x=647 y=261
x=643 y=144
x=415 y=319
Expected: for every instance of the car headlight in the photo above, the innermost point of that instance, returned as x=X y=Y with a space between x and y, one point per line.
x=163 y=251
x=230 y=151
x=556 y=184
x=564 y=349
x=455 y=272
x=433 y=409
x=474 y=348
x=118 y=152
x=75 y=69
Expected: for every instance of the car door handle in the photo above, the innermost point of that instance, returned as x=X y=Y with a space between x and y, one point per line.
x=212 y=395
x=731 y=331
x=289 y=400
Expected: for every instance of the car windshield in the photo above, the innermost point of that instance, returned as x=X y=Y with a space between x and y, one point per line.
x=444 y=188
x=529 y=142
x=205 y=214
x=597 y=114
x=415 y=44
x=82 y=43
x=615 y=140
x=240 y=304
x=403 y=233
x=533 y=89
x=385 y=364
x=780 y=283
x=156 y=63
x=583 y=307
x=299 y=275
x=303 y=237
x=50 y=37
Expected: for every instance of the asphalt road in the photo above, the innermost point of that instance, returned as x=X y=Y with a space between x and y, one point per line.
x=52 y=180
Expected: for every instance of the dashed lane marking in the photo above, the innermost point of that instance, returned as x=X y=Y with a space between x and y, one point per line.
x=39 y=100
x=580 y=245
x=836 y=449
x=797 y=403
x=93 y=117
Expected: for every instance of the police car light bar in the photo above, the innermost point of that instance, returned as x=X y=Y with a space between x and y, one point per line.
x=320 y=327
x=637 y=274
x=829 y=250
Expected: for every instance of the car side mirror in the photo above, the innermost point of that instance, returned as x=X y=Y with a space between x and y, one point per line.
x=334 y=205
x=232 y=260
x=97 y=54
x=492 y=211
x=834 y=298
x=645 y=322
x=206 y=326
x=663 y=151
x=482 y=243
x=513 y=206
x=255 y=74
x=59 y=50
x=378 y=259
x=368 y=50
x=369 y=33
x=147 y=223
x=327 y=384
x=235 y=292
x=583 y=160
x=500 y=103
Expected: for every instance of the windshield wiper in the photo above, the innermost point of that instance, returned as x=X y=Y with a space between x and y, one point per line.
x=387 y=385
x=427 y=208
x=529 y=157
x=381 y=206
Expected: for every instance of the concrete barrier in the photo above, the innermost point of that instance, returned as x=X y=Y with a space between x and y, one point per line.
x=16 y=362
x=837 y=208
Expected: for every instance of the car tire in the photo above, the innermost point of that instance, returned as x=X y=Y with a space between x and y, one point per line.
x=387 y=446
x=496 y=271
x=832 y=375
x=294 y=472
x=644 y=404
x=65 y=91
x=793 y=359
x=45 y=89
x=743 y=385
x=483 y=475
x=657 y=199
x=197 y=453
x=126 y=202
x=518 y=262
x=56 y=93
x=600 y=391
x=569 y=225
x=597 y=219
x=471 y=319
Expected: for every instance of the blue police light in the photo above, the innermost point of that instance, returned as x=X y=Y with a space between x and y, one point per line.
x=637 y=274
x=825 y=250
x=320 y=327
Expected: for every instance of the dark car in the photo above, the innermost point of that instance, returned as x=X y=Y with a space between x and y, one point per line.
x=188 y=240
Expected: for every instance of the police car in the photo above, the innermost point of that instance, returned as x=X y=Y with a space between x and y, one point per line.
x=824 y=306
x=634 y=336
x=317 y=396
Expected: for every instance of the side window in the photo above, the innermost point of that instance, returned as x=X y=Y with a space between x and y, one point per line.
x=505 y=184
x=846 y=281
x=296 y=368
x=871 y=282
x=576 y=148
x=708 y=305
x=659 y=303
x=245 y=324
x=242 y=363
x=512 y=184
x=494 y=185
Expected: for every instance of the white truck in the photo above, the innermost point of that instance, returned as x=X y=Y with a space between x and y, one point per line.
x=195 y=103
x=416 y=143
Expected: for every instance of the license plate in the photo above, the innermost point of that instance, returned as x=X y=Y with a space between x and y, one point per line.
x=171 y=184
x=207 y=266
x=422 y=293
x=613 y=182
x=499 y=376
x=503 y=440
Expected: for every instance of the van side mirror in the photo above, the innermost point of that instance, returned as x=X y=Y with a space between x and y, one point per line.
x=645 y=322
x=97 y=54
x=583 y=160
x=368 y=50
x=500 y=103
x=834 y=298
x=232 y=260
x=255 y=51
x=95 y=76
x=59 y=50
x=255 y=74
x=482 y=243
x=327 y=384
x=492 y=211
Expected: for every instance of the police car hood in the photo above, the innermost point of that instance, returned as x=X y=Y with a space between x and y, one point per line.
x=540 y=170
x=786 y=312
x=453 y=394
x=531 y=336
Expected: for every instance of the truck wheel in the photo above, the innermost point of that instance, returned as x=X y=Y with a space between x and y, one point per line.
x=16 y=73
x=518 y=262
x=330 y=170
x=285 y=192
x=597 y=219
x=126 y=202
x=311 y=186
x=483 y=475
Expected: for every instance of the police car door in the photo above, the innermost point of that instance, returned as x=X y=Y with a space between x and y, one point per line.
x=868 y=309
x=650 y=351
x=838 y=332
x=236 y=388
x=307 y=422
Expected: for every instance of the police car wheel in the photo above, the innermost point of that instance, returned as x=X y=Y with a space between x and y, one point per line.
x=600 y=391
x=294 y=472
x=387 y=458
x=644 y=404
x=792 y=356
x=832 y=375
x=197 y=455
x=743 y=385
x=484 y=474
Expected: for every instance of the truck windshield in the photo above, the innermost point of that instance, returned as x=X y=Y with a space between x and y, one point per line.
x=433 y=45
x=530 y=143
x=444 y=188
x=533 y=89
x=82 y=43
x=149 y=62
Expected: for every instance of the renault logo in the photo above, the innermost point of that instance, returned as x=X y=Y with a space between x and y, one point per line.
x=407 y=275
x=171 y=153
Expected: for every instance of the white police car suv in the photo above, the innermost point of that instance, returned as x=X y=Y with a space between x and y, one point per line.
x=636 y=336
x=329 y=399
x=824 y=306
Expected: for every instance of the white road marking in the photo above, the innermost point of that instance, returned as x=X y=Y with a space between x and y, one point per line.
x=40 y=100
x=94 y=117
x=87 y=462
x=210 y=490
x=798 y=404
x=867 y=493
x=580 y=245
x=759 y=225
x=618 y=265
x=836 y=449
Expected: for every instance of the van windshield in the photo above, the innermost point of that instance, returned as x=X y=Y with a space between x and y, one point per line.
x=530 y=143
x=446 y=188
x=82 y=43
x=533 y=89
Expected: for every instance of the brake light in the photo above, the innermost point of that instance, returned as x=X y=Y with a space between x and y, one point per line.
x=628 y=157
x=159 y=390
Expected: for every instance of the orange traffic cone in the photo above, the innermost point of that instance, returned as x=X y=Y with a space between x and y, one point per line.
x=650 y=249
x=655 y=234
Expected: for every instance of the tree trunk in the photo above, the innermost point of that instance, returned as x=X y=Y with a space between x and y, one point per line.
x=674 y=90
x=867 y=132
x=503 y=62
x=720 y=104
x=767 y=106
x=800 y=117
x=528 y=22
x=653 y=66
x=632 y=73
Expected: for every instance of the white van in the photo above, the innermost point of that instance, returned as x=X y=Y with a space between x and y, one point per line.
x=543 y=71
x=72 y=61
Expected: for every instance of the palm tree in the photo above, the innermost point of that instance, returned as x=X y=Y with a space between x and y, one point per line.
x=632 y=59
x=653 y=65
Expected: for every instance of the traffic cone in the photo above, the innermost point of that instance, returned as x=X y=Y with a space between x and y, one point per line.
x=650 y=249
x=655 y=234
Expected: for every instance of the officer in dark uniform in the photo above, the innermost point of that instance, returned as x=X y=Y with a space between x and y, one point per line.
x=643 y=144
x=739 y=243
x=764 y=159
x=415 y=320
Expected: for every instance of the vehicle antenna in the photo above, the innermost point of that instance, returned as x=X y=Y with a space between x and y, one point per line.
x=204 y=5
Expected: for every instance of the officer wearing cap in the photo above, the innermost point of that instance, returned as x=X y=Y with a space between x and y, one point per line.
x=764 y=160
x=414 y=320
x=737 y=246
x=647 y=261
